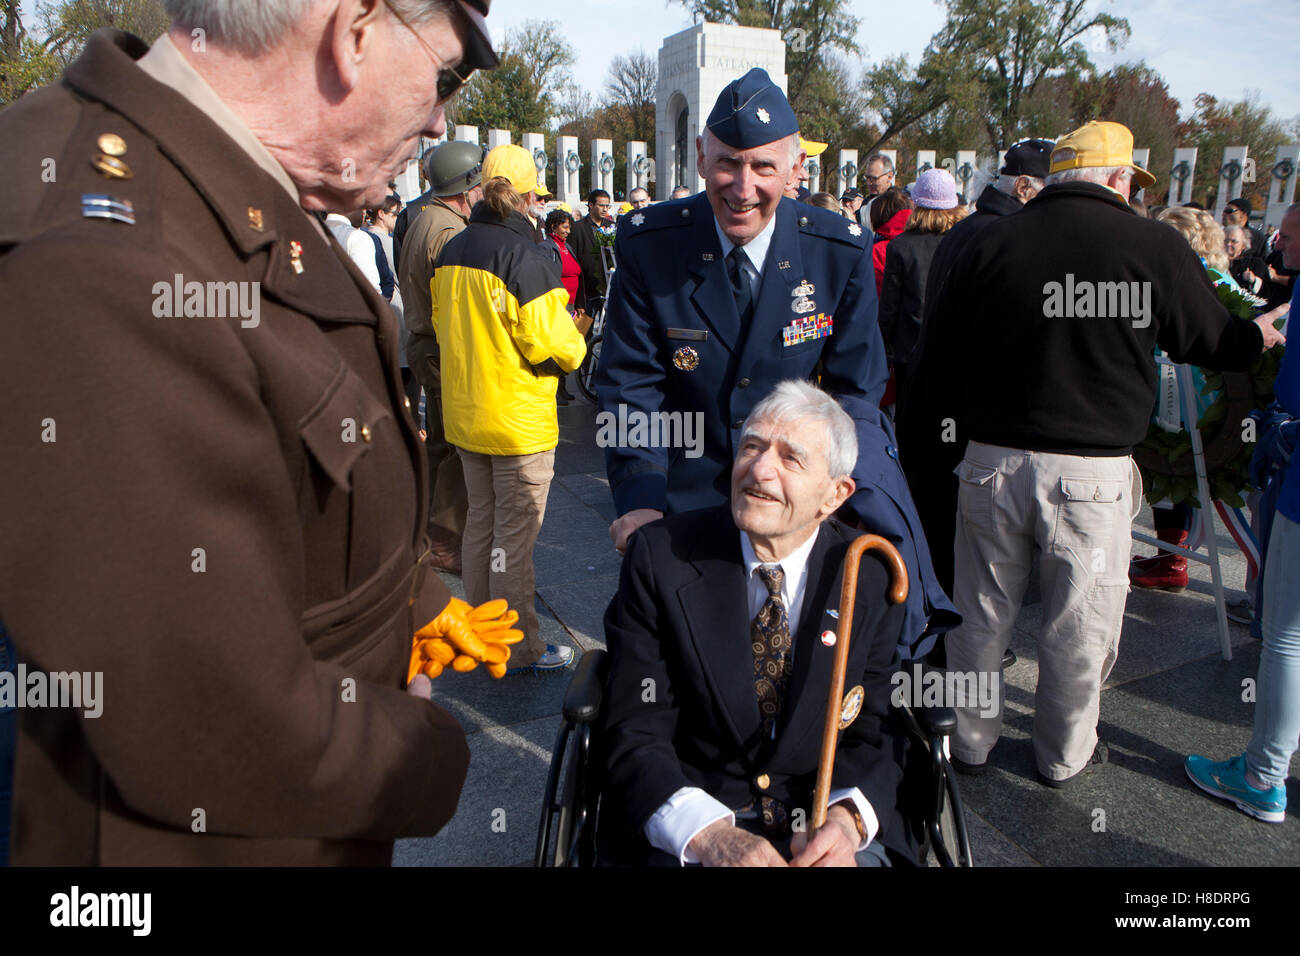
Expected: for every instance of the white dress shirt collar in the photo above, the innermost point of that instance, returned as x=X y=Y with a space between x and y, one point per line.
x=795 y=566
x=755 y=249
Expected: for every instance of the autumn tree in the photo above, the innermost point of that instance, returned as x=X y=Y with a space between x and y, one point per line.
x=522 y=93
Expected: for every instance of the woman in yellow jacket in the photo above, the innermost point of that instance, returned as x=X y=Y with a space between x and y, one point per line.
x=505 y=338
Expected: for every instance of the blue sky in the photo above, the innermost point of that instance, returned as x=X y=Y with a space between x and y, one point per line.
x=1198 y=45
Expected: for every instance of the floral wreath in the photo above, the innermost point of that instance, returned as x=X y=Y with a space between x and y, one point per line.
x=1165 y=458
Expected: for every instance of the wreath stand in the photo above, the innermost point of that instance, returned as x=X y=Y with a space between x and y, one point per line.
x=1203 y=522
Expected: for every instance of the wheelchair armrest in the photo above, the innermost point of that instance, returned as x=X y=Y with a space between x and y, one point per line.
x=936 y=721
x=586 y=688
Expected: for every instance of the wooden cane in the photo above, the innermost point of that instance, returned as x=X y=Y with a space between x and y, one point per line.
x=834 y=700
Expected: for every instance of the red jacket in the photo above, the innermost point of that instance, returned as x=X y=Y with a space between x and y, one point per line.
x=888 y=230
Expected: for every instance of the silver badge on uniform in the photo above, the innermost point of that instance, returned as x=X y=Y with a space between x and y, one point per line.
x=803 y=304
x=103 y=206
x=804 y=288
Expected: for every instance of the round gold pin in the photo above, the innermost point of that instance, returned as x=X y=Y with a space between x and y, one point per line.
x=112 y=144
x=686 y=358
x=852 y=706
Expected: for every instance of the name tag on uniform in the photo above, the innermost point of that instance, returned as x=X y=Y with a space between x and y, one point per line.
x=689 y=335
x=817 y=326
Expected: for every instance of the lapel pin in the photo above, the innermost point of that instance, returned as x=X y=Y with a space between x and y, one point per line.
x=828 y=638
x=833 y=613
x=112 y=144
x=295 y=256
x=851 y=706
x=783 y=264
x=803 y=304
x=708 y=257
x=804 y=288
x=254 y=219
x=110 y=167
x=686 y=358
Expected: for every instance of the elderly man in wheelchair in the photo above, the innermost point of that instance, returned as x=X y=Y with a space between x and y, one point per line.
x=705 y=746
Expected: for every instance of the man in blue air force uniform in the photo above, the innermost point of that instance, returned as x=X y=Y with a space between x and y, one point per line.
x=721 y=295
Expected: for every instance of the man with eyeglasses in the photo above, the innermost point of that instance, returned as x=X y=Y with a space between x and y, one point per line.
x=236 y=549
x=877 y=176
x=586 y=247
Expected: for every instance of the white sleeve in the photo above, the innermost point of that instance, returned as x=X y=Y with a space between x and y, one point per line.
x=362 y=250
x=868 y=815
x=688 y=811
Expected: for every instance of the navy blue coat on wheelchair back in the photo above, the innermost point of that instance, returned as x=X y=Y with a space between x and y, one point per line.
x=674 y=342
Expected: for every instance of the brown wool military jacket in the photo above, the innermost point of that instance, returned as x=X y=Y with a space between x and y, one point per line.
x=222 y=517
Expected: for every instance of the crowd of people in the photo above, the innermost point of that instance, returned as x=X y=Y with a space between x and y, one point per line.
x=893 y=360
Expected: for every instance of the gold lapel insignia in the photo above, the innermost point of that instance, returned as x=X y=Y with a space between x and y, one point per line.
x=110 y=167
x=851 y=707
x=686 y=359
x=112 y=144
x=254 y=219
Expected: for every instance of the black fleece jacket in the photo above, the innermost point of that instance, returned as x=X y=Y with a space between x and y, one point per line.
x=1037 y=348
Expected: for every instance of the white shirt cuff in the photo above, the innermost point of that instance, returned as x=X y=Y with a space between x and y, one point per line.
x=864 y=811
x=688 y=811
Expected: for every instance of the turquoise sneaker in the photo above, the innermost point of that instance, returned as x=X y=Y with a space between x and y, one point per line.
x=1227 y=780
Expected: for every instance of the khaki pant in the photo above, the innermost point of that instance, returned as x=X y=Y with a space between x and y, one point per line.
x=507 y=501
x=447 y=499
x=1078 y=512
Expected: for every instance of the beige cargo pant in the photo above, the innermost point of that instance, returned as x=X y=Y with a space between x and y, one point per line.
x=1079 y=513
x=507 y=502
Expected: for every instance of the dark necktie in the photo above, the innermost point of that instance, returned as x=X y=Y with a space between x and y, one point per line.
x=740 y=287
x=770 y=634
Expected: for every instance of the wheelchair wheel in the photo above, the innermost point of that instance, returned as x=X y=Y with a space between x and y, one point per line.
x=587 y=370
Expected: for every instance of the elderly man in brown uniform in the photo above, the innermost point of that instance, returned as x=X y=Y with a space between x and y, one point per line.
x=454 y=171
x=232 y=539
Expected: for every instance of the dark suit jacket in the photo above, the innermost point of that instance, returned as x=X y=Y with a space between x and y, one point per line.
x=582 y=242
x=264 y=688
x=681 y=619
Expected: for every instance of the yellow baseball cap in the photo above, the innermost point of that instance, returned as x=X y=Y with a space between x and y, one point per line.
x=812 y=147
x=1099 y=144
x=515 y=164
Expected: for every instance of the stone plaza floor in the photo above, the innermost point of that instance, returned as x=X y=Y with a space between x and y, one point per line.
x=1170 y=694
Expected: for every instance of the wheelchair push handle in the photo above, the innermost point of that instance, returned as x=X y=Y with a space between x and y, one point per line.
x=835 y=696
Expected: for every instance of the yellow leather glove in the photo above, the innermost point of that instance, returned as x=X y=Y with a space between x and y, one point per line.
x=465 y=636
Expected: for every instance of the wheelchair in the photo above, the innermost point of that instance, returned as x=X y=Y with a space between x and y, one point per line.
x=566 y=833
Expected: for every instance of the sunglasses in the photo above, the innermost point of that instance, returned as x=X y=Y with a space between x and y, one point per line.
x=450 y=78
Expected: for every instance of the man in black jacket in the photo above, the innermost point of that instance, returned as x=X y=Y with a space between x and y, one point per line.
x=586 y=246
x=1043 y=359
x=722 y=637
x=927 y=458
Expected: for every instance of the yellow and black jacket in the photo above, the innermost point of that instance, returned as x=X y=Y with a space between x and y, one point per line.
x=499 y=314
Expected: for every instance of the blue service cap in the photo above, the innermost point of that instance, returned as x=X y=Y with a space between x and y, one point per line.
x=752 y=111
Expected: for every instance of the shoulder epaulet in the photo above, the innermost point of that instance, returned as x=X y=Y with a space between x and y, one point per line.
x=815 y=221
x=675 y=212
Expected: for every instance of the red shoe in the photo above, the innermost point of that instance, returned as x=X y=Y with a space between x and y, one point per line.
x=1166 y=571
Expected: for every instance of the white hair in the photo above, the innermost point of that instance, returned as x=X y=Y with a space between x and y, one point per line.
x=1007 y=182
x=256 y=26
x=1088 y=174
x=795 y=400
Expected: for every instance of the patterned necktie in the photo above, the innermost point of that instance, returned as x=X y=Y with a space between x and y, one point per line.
x=770 y=634
x=740 y=287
